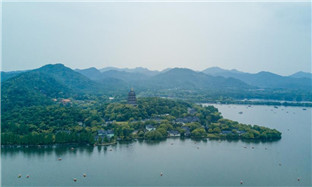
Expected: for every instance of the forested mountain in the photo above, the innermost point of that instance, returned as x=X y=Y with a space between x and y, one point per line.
x=188 y=79
x=264 y=79
x=40 y=86
x=145 y=78
x=31 y=88
x=70 y=78
x=176 y=78
x=7 y=75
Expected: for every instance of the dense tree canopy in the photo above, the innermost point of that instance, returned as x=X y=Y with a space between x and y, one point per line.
x=79 y=122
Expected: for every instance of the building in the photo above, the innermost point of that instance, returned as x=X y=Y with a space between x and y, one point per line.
x=66 y=101
x=187 y=131
x=132 y=98
x=173 y=133
x=150 y=128
x=188 y=119
x=104 y=133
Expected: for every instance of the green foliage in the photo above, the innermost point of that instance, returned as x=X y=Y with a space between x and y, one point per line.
x=80 y=122
x=156 y=134
x=235 y=130
x=147 y=108
x=199 y=133
x=193 y=125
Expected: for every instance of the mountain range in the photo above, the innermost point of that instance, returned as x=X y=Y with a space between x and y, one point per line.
x=39 y=86
x=299 y=80
x=264 y=79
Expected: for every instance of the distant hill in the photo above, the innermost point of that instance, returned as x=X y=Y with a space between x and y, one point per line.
x=114 y=85
x=189 y=79
x=125 y=76
x=140 y=70
x=302 y=74
x=216 y=71
x=91 y=73
x=263 y=79
x=178 y=78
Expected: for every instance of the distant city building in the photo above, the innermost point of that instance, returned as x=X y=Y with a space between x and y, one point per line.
x=132 y=98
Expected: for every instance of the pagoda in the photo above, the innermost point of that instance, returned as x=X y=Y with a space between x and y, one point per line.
x=132 y=98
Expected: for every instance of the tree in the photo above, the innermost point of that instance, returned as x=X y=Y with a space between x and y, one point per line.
x=199 y=133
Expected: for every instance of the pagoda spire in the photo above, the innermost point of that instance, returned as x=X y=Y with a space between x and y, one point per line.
x=132 y=98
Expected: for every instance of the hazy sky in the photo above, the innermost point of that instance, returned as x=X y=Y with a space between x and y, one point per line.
x=250 y=37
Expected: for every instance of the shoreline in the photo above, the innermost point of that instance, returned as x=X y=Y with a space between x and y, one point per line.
x=73 y=146
x=262 y=103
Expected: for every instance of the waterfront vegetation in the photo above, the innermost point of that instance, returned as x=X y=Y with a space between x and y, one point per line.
x=96 y=122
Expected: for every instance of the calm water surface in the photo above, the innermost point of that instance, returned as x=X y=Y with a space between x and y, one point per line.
x=182 y=162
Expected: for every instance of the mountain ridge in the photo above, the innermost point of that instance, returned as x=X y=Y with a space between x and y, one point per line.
x=264 y=79
x=41 y=85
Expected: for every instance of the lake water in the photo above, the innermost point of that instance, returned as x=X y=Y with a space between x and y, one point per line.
x=182 y=162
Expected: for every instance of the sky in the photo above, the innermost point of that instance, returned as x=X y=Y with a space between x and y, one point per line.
x=247 y=36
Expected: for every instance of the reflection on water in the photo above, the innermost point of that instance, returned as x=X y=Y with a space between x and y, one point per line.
x=60 y=150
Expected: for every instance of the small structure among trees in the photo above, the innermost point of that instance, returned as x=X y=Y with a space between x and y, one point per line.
x=132 y=98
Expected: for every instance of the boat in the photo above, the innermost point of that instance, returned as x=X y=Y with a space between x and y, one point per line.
x=304 y=109
x=59 y=159
x=240 y=112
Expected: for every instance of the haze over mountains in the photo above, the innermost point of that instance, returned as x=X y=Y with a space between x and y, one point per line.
x=183 y=76
x=299 y=80
x=264 y=79
x=24 y=88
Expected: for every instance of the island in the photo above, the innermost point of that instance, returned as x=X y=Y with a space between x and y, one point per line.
x=101 y=123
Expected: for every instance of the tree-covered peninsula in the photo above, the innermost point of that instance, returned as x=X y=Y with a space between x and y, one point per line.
x=97 y=122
